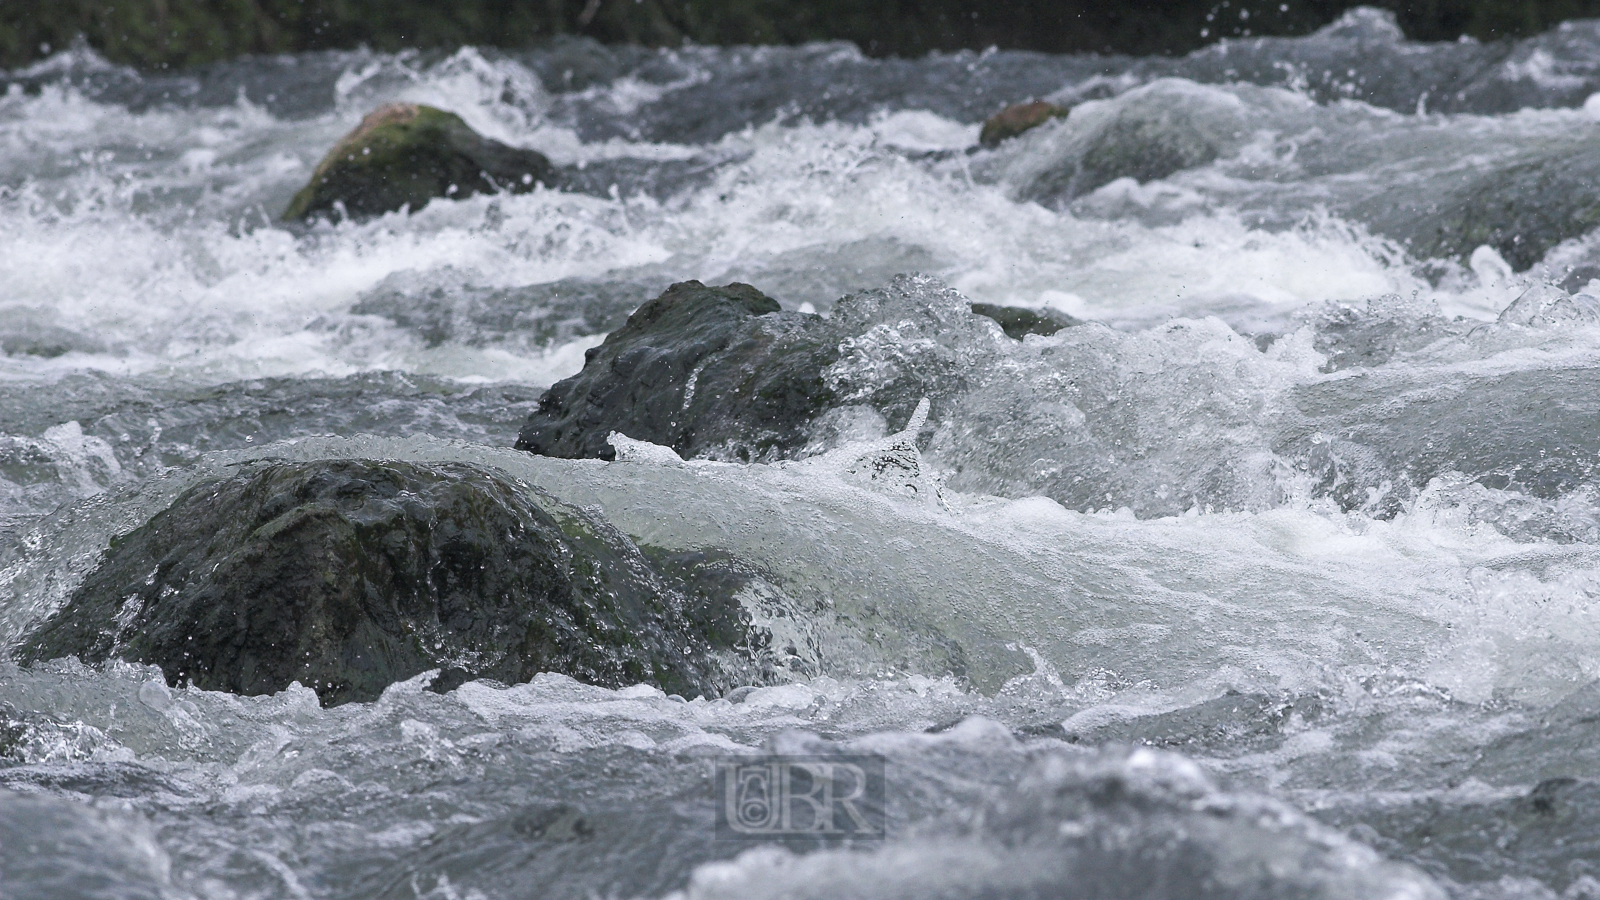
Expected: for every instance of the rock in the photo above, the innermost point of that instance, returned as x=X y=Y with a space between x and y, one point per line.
x=1144 y=148
x=406 y=154
x=1018 y=118
x=1147 y=134
x=1547 y=306
x=350 y=575
x=709 y=371
x=723 y=373
x=1521 y=210
x=1018 y=322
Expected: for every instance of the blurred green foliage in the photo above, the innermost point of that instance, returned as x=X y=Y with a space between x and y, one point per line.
x=161 y=33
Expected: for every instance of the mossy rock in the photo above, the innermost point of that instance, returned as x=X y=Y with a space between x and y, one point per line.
x=350 y=575
x=403 y=155
x=1017 y=119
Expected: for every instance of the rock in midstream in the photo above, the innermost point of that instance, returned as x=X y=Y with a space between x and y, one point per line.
x=1016 y=119
x=697 y=369
x=406 y=154
x=1147 y=134
x=350 y=575
x=723 y=373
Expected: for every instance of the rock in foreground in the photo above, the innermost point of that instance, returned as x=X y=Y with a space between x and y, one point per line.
x=406 y=154
x=350 y=575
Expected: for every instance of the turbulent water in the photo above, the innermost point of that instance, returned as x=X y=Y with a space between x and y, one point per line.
x=1277 y=578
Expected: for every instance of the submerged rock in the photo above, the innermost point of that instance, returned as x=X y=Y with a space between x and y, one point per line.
x=1018 y=118
x=406 y=154
x=704 y=370
x=1521 y=208
x=1147 y=134
x=350 y=575
x=1018 y=322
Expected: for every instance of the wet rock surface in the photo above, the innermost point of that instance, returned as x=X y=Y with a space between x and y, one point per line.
x=1018 y=118
x=348 y=576
x=715 y=371
x=723 y=373
x=1146 y=134
x=1520 y=207
x=1018 y=322
x=406 y=154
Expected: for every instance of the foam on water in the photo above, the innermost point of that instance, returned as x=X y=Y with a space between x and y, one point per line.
x=173 y=205
x=1278 y=509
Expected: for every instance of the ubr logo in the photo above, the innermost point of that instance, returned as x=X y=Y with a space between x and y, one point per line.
x=828 y=798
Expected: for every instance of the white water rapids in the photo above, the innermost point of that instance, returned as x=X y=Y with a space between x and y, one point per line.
x=1278 y=578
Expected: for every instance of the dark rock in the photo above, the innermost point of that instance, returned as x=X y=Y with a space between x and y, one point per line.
x=722 y=373
x=1018 y=118
x=1017 y=321
x=350 y=575
x=1579 y=278
x=406 y=154
x=1144 y=148
x=718 y=585
x=707 y=371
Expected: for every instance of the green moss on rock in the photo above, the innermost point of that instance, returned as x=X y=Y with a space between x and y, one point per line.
x=403 y=155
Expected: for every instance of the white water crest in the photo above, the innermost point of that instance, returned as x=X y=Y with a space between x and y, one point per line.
x=1275 y=576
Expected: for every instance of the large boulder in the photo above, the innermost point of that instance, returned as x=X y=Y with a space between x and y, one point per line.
x=406 y=154
x=707 y=371
x=350 y=575
x=723 y=373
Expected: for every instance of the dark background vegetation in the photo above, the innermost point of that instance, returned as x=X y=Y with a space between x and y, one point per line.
x=159 y=33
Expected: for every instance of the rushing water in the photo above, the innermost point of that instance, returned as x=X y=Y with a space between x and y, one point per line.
x=1276 y=579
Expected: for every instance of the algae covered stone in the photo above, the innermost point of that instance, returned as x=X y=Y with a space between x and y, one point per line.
x=1018 y=118
x=350 y=575
x=406 y=154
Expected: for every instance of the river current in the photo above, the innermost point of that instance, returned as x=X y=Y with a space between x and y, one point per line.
x=1278 y=577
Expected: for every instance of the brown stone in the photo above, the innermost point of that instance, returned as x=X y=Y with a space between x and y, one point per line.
x=1017 y=118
